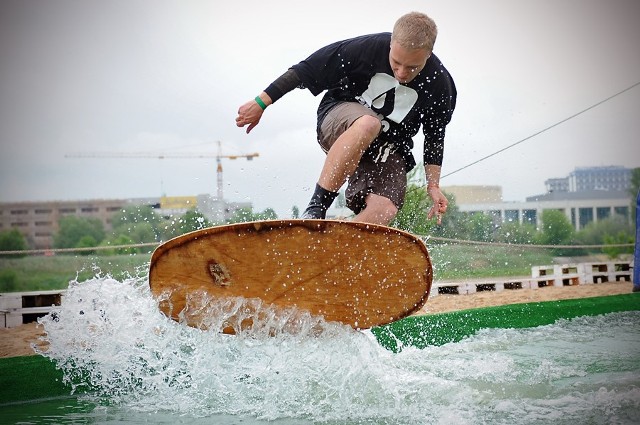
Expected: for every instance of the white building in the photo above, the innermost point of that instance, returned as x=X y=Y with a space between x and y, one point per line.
x=582 y=179
x=581 y=208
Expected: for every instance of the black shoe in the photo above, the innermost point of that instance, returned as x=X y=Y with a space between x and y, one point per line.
x=311 y=213
x=320 y=202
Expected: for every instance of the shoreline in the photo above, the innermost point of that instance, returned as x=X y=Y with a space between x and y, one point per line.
x=17 y=341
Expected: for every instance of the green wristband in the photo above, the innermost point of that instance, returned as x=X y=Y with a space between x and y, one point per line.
x=260 y=103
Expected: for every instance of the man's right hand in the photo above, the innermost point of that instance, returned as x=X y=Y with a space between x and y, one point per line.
x=250 y=113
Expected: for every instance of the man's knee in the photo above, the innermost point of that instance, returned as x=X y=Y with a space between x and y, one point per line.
x=381 y=206
x=387 y=207
x=369 y=126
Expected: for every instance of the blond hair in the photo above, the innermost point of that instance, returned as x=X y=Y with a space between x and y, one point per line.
x=415 y=30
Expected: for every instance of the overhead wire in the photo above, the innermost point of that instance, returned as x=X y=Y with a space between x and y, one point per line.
x=537 y=133
x=549 y=127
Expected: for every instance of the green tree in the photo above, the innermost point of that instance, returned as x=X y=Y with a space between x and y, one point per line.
x=124 y=221
x=633 y=190
x=192 y=220
x=557 y=230
x=72 y=229
x=635 y=182
x=143 y=233
x=244 y=215
x=295 y=212
x=455 y=223
x=480 y=227
x=516 y=233
x=412 y=217
x=12 y=240
x=87 y=241
x=596 y=232
x=119 y=240
x=140 y=224
x=619 y=238
x=267 y=214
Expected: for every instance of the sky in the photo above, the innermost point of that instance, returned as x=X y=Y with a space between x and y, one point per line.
x=167 y=77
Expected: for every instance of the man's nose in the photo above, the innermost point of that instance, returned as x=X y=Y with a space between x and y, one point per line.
x=403 y=73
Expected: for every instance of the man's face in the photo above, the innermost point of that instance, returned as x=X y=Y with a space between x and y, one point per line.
x=407 y=63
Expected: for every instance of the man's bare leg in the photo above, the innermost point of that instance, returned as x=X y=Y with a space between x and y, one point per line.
x=341 y=162
x=344 y=156
x=379 y=210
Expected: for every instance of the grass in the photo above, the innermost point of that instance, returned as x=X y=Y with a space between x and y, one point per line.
x=39 y=273
x=477 y=261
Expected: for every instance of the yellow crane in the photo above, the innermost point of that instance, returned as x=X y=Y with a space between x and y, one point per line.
x=161 y=155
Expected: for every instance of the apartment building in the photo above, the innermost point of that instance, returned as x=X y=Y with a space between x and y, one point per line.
x=39 y=221
x=615 y=178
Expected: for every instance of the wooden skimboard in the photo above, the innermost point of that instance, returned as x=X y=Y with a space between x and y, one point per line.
x=358 y=274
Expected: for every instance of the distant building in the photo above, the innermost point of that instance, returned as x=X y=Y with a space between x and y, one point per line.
x=592 y=178
x=214 y=209
x=581 y=208
x=475 y=194
x=557 y=185
x=588 y=194
x=39 y=221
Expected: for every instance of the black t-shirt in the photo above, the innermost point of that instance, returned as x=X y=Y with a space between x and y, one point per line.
x=358 y=69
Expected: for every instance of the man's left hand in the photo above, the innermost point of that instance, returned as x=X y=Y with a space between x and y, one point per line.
x=440 y=203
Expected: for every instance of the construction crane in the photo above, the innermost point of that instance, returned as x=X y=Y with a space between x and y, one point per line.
x=157 y=155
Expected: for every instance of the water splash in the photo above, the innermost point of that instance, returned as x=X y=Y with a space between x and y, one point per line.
x=110 y=337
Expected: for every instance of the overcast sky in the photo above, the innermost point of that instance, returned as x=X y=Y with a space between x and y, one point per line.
x=169 y=76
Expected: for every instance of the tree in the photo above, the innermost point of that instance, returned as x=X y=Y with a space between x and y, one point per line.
x=140 y=224
x=619 y=238
x=595 y=232
x=118 y=240
x=12 y=240
x=480 y=227
x=412 y=217
x=634 y=190
x=456 y=224
x=557 y=230
x=635 y=183
x=142 y=233
x=295 y=212
x=516 y=233
x=192 y=220
x=87 y=241
x=72 y=229
x=267 y=214
x=124 y=221
x=244 y=215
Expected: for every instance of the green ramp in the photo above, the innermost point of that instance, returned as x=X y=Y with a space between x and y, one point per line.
x=28 y=378
x=31 y=378
x=439 y=329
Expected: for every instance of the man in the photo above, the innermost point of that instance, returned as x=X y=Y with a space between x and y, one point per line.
x=380 y=89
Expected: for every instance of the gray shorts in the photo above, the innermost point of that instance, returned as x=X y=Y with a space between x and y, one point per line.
x=381 y=170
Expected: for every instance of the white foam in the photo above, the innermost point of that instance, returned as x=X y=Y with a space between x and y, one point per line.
x=296 y=367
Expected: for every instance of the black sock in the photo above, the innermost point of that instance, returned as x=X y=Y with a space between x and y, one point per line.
x=320 y=202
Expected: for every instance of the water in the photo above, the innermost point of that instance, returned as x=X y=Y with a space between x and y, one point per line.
x=142 y=367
